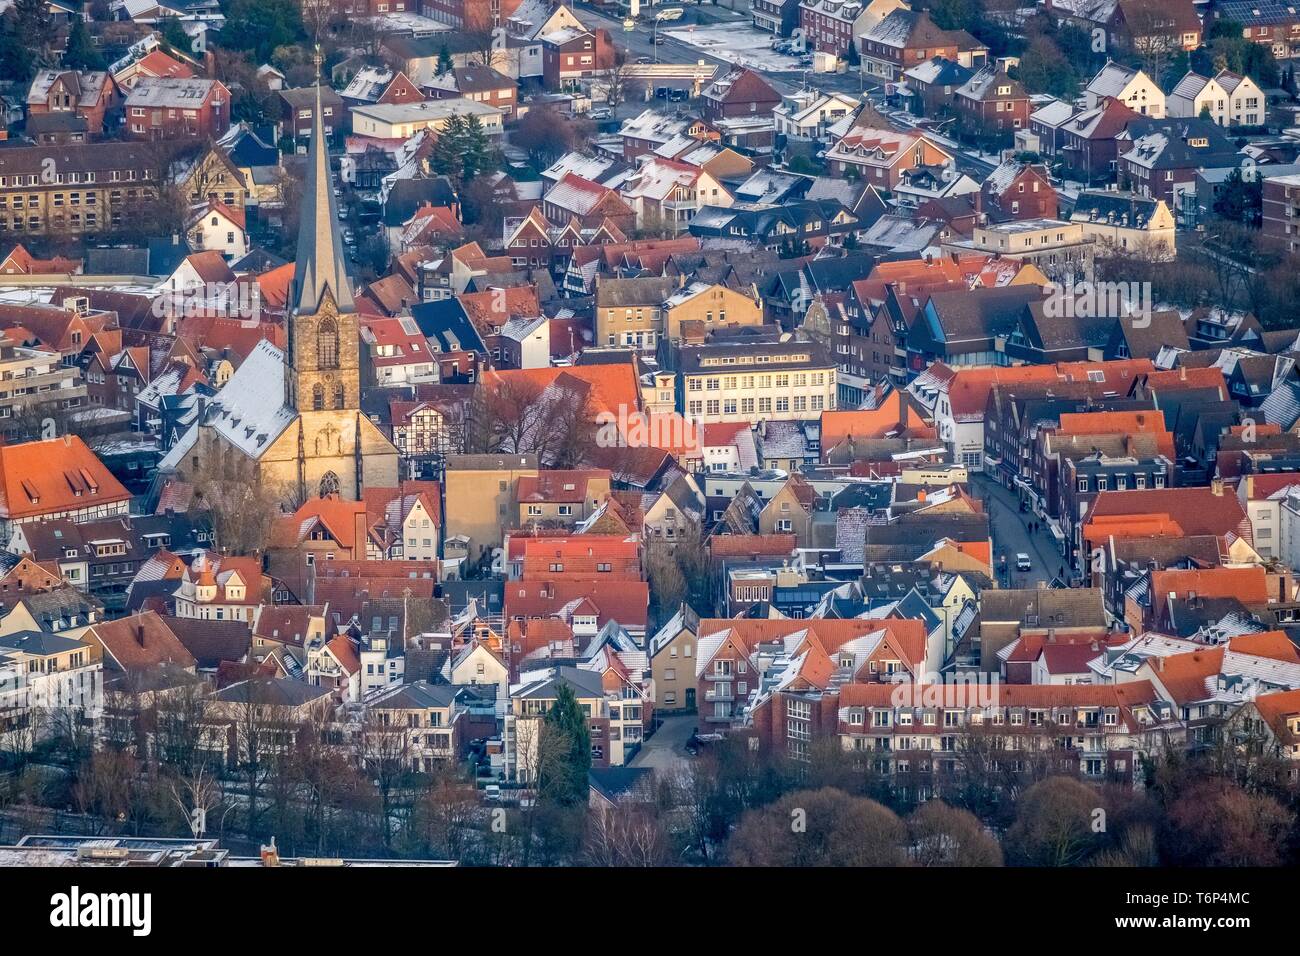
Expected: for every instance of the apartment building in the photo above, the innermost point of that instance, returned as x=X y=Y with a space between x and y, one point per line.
x=914 y=735
x=34 y=376
x=77 y=189
x=46 y=678
x=1281 y=210
x=755 y=381
x=171 y=108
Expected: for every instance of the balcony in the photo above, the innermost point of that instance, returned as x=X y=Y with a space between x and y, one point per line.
x=715 y=719
x=718 y=675
x=719 y=695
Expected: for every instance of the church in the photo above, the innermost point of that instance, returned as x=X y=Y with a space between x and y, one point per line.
x=292 y=420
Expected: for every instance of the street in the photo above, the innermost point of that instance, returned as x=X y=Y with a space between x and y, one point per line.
x=1011 y=535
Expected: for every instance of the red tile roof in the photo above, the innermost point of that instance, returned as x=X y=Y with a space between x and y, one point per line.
x=47 y=477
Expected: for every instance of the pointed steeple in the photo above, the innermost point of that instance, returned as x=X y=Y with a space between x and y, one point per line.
x=319 y=264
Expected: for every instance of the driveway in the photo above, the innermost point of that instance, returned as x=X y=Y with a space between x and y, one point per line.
x=666 y=750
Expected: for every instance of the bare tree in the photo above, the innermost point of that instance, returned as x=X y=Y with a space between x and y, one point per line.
x=611 y=84
x=240 y=506
x=382 y=752
x=626 y=834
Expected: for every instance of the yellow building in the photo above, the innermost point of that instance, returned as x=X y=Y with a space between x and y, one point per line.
x=713 y=306
x=482 y=496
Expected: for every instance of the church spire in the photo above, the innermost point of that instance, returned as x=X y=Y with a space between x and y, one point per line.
x=319 y=264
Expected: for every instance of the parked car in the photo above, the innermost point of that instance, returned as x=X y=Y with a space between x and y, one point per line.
x=661 y=93
x=600 y=113
x=1022 y=562
x=679 y=96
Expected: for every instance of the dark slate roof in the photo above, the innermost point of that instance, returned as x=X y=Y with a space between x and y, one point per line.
x=271 y=691
x=211 y=642
x=408 y=195
x=446 y=323
x=38 y=642
x=116 y=261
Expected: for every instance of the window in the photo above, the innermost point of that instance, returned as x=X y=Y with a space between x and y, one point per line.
x=327 y=344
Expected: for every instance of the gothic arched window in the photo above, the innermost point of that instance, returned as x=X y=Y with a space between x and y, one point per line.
x=318 y=396
x=329 y=484
x=327 y=343
x=338 y=395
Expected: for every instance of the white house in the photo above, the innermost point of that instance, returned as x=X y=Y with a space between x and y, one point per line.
x=402 y=120
x=1125 y=220
x=526 y=342
x=1131 y=87
x=220 y=228
x=1228 y=99
x=808 y=114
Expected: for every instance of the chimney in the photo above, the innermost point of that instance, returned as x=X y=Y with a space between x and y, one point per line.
x=139 y=631
x=1182 y=373
x=1216 y=487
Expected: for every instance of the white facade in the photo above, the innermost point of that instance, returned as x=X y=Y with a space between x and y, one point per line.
x=1228 y=99
x=731 y=395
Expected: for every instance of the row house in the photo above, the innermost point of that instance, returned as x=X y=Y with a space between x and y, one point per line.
x=744 y=668
x=1227 y=98
x=833 y=26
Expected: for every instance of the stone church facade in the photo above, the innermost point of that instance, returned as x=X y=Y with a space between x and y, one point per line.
x=292 y=420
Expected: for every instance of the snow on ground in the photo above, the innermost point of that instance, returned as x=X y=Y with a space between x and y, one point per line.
x=736 y=44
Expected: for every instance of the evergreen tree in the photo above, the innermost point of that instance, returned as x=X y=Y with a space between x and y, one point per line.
x=174 y=34
x=81 y=53
x=563 y=779
x=476 y=151
x=33 y=27
x=445 y=160
x=444 y=60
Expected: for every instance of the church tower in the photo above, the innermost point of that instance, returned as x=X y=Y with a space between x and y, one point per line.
x=323 y=358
